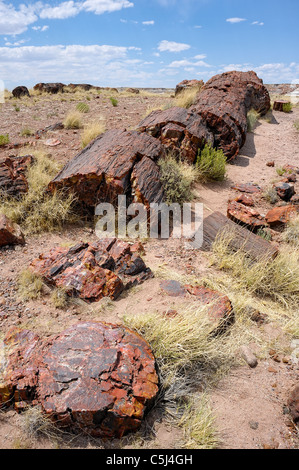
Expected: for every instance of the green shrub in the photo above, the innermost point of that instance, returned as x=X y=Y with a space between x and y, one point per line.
x=211 y=164
x=114 y=101
x=287 y=107
x=4 y=139
x=26 y=132
x=82 y=107
x=177 y=178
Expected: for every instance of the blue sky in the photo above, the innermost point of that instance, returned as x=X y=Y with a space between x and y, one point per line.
x=146 y=43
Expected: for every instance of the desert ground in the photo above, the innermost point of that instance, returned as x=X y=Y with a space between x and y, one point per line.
x=246 y=407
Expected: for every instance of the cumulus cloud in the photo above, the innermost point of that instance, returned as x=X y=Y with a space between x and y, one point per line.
x=235 y=20
x=258 y=23
x=171 y=46
x=15 y=21
x=151 y=22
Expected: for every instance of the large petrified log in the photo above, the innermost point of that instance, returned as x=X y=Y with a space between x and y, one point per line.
x=20 y=91
x=94 y=377
x=103 y=170
x=256 y=247
x=92 y=270
x=224 y=101
x=13 y=181
x=52 y=88
x=179 y=130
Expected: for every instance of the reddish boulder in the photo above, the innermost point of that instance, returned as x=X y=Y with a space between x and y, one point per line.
x=52 y=88
x=20 y=91
x=245 y=216
x=13 y=181
x=247 y=188
x=220 y=308
x=94 y=377
x=82 y=86
x=10 y=233
x=293 y=404
x=102 y=171
x=187 y=84
x=92 y=271
x=284 y=190
x=281 y=215
x=245 y=199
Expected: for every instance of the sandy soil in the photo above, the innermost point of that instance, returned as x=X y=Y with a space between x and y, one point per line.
x=249 y=404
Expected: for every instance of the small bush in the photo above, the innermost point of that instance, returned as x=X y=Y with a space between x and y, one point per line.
x=271 y=196
x=73 y=120
x=82 y=107
x=291 y=233
x=30 y=285
x=114 y=101
x=59 y=298
x=252 y=118
x=26 y=132
x=211 y=164
x=287 y=107
x=296 y=125
x=4 y=139
x=177 y=178
x=280 y=171
x=91 y=131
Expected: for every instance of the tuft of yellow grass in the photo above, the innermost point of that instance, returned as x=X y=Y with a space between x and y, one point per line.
x=73 y=120
x=186 y=98
x=91 y=131
x=30 y=285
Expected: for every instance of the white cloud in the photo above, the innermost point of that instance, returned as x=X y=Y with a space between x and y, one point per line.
x=151 y=22
x=62 y=11
x=171 y=46
x=198 y=27
x=200 y=56
x=258 y=23
x=105 y=6
x=235 y=20
x=99 y=64
x=40 y=28
x=15 y=21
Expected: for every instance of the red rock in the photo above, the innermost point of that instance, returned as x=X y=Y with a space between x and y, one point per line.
x=281 y=215
x=52 y=88
x=220 y=307
x=271 y=164
x=245 y=215
x=102 y=171
x=93 y=377
x=92 y=271
x=10 y=233
x=187 y=84
x=293 y=404
x=13 y=180
x=245 y=199
x=247 y=188
x=20 y=91
x=284 y=190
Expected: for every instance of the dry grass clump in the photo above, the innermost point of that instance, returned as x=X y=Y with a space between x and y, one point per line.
x=291 y=232
x=91 y=131
x=296 y=125
x=252 y=118
x=60 y=298
x=211 y=164
x=270 y=195
x=177 y=178
x=30 y=285
x=39 y=210
x=73 y=120
x=276 y=278
x=186 y=98
x=82 y=107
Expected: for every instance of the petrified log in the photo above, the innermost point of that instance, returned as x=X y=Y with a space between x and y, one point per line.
x=103 y=170
x=13 y=180
x=256 y=247
x=280 y=216
x=280 y=105
x=20 y=91
x=179 y=131
x=187 y=84
x=83 y=86
x=10 y=233
x=96 y=377
x=92 y=271
x=224 y=101
x=52 y=88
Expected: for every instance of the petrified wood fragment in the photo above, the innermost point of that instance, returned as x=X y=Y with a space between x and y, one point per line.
x=246 y=216
x=96 y=377
x=92 y=270
x=13 y=181
x=10 y=233
x=103 y=170
x=20 y=91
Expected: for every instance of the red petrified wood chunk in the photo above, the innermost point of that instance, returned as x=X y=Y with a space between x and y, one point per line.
x=10 y=233
x=293 y=404
x=245 y=215
x=245 y=199
x=92 y=271
x=247 y=188
x=94 y=377
x=281 y=215
x=13 y=179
